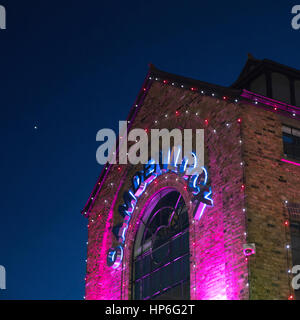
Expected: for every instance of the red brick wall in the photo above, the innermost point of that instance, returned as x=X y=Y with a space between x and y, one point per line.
x=269 y=182
x=218 y=266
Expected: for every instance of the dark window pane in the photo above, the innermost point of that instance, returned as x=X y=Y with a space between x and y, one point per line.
x=185 y=242
x=175 y=293
x=138 y=272
x=291 y=142
x=164 y=268
x=295 y=242
x=160 y=255
x=137 y=291
x=186 y=267
x=146 y=288
x=177 y=270
x=155 y=282
x=287 y=139
x=166 y=276
x=186 y=291
x=177 y=247
x=146 y=264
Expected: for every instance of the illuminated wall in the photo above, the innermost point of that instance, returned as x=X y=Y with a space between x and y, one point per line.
x=219 y=268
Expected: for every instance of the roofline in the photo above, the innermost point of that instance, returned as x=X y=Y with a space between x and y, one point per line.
x=260 y=64
x=190 y=82
x=228 y=94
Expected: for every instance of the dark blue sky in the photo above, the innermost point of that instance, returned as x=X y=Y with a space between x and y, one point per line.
x=73 y=67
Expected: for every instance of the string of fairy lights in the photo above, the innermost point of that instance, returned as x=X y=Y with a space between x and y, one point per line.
x=177 y=113
x=244 y=202
x=205 y=122
x=288 y=247
x=295 y=113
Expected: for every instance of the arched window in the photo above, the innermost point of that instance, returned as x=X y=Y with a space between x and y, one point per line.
x=161 y=266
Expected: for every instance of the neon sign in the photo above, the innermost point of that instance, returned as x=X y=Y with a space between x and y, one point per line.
x=139 y=182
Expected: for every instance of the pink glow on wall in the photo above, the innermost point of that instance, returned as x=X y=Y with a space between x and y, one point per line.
x=218 y=270
x=102 y=289
x=290 y=162
x=276 y=106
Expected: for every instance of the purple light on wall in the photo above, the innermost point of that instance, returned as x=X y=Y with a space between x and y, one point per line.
x=290 y=162
x=275 y=105
x=200 y=211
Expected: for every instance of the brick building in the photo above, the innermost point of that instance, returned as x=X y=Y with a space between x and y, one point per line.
x=244 y=245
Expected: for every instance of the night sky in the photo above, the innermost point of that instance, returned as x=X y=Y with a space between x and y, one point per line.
x=70 y=68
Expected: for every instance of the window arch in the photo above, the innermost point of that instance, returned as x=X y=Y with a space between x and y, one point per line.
x=161 y=258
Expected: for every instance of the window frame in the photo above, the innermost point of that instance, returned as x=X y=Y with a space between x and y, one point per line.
x=173 y=257
x=295 y=154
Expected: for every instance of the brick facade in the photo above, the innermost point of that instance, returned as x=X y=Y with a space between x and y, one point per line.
x=243 y=148
x=269 y=183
